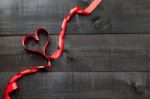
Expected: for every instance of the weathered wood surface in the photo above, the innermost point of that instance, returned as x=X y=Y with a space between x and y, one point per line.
x=125 y=52
x=107 y=54
x=19 y=17
x=81 y=85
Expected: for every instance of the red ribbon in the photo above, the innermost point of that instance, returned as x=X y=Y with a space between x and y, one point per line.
x=12 y=84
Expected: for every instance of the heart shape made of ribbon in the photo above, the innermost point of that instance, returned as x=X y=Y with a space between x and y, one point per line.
x=37 y=39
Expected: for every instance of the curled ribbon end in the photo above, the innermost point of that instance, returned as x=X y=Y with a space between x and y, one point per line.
x=10 y=87
x=92 y=6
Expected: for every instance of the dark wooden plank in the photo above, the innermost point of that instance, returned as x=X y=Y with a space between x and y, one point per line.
x=19 y=17
x=124 y=52
x=81 y=85
x=124 y=16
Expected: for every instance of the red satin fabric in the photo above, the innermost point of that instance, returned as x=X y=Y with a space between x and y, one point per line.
x=12 y=84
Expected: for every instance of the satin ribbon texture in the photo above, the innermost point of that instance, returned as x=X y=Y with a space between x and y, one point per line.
x=12 y=83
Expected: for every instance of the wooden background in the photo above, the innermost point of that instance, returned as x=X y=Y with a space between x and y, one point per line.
x=107 y=54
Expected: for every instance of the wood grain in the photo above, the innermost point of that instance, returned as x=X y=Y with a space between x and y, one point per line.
x=18 y=17
x=124 y=52
x=81 y=85
x=106 y=54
